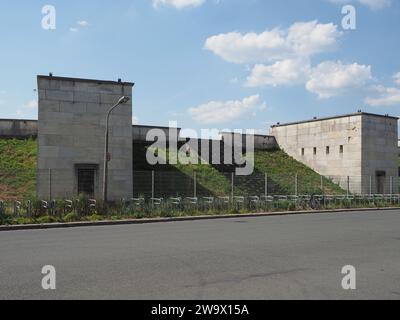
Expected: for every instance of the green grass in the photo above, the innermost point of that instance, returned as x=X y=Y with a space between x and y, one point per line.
x=280 y=168
x=18 y=174
x=209 y=178
x=17 y=168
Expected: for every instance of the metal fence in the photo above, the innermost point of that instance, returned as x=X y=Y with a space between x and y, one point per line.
x=208 y=182
x=158 y=193
x=202 y=184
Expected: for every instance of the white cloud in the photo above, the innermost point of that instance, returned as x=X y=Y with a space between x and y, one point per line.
x=309 y=38
x=376 y=4
x=225 y=111
x=396 y=78
x=285 y=72
x=302 y=39
x=234 y=80
x=29 y=109
x=372 y=4
x=178 y=4
x=386 y=97
x=82 y=23
x=281 y=57
x=330 y=78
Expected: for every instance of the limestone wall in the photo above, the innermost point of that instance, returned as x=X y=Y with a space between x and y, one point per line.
x=356 y=145
x=71 y=133
x=261 y=142
x=380 y=153
x=18 y=129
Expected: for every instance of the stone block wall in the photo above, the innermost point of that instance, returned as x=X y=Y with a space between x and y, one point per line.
x=261 y=142
x=356 y=145
x=18 y=129
x=71 y=133
x=380 y=153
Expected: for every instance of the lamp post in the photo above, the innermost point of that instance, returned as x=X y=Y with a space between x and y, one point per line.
x=122 y=100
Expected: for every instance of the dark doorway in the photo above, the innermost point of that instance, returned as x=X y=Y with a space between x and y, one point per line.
x=380 y=182
x=86 y=179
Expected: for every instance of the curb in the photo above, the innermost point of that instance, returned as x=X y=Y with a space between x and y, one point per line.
x=177 y=219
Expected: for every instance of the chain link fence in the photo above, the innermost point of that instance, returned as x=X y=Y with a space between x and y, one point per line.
x=203 y=184
x=158 y=193
x=21 y=184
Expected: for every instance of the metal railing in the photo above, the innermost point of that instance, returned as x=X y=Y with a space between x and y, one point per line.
x=151 y=207
x=168 y=192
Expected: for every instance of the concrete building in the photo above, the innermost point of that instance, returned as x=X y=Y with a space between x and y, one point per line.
x=71 y=131
x=361 y=146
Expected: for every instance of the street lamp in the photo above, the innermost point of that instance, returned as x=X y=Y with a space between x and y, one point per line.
x=121 y=101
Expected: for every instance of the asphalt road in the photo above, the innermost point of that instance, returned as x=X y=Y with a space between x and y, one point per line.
x=282 y=257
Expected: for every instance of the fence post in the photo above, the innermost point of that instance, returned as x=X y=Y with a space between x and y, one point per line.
x=233 y=186
x=296 y=186
x=391 y=185
x=370 y=185
x=195 y=184
x=50 y=183
x=152 y=188
x=266 y=185
x=348 y=186
x=322 y=185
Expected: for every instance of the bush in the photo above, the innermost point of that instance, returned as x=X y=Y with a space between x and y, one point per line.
x=5 y=219
x=71 y=217
x=95 y=217
x=46 y=219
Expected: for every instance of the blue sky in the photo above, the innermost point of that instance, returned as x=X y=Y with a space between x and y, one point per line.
x=210 y=63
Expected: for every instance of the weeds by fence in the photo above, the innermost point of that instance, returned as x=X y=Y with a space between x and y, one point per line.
x=83 y=208
x=193 y=192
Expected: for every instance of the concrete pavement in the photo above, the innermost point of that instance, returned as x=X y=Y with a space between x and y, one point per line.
x=279 y=257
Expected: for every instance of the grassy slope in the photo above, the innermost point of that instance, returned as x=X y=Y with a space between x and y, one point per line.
x=280 y=168
x=17 y=168
x=18 y=165
x=208 y=177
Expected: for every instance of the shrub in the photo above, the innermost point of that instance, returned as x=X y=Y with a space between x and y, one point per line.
x=95 y=217
x=46 y=219
x=71 y=217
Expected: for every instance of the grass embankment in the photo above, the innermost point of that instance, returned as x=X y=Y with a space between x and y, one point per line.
x=18 y=174
x=17 y=169
x=280 y=169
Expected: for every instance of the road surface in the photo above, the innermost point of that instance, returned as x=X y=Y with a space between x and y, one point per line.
x=281 y=257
